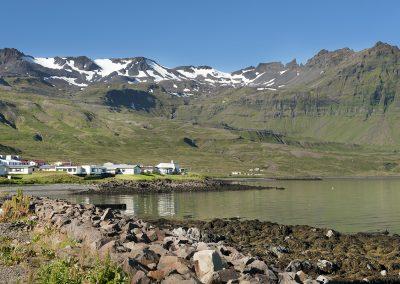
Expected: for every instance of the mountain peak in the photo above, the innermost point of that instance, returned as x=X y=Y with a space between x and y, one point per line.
x=9 y=54
x=325 y=58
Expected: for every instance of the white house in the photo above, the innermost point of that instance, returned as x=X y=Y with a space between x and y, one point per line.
x=168 y=168
x=72 y=170
x=47 y=168
x=20 y=169
x=93 y=170
x=10 y=160
x=124 y=169
x=3 y=170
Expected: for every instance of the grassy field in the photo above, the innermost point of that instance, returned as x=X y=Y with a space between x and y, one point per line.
x=89 y=132
x=59 y=177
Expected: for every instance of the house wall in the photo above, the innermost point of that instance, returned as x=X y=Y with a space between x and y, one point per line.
x=131 y=171
x=77 y=170
x=20 y=171
x=3 y=170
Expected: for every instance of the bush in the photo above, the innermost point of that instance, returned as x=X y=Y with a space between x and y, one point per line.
x=69 y=271
x=106 y=273
x=16 y=208
x=64 y=271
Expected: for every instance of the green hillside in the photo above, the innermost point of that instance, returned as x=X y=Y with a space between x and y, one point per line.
x=339 y=116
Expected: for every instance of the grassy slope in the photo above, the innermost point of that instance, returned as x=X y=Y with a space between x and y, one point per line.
x=89 y=132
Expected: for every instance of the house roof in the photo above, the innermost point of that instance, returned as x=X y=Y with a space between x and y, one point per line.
x=20 y=166
x=166 y=165
x=111 y=166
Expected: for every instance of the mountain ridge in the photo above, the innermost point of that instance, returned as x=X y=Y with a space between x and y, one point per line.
x=82 y=71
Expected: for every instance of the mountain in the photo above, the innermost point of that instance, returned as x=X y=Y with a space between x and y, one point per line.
x=336 y=113
x=80 y=72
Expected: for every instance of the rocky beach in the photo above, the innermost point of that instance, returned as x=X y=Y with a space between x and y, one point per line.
x=219 y=251
x=168 y=185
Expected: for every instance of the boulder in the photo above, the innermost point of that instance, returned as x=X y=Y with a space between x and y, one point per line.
x=299 y=265
x=326 y=267
x=322 y=279
x=279 y=251
x=207 y=262
x=107 y=215
x=176 y=278
x=140 y=278
x=287 y=278
x=193 y=234
x=179 y=232
x=169 y=263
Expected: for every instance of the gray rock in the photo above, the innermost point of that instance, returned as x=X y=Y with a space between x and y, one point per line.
x=193 y=234
x=325 y=266
x=322 y=279
x=279 y=251
x=107 y=215
x=298 y=265
x=287 y=278
x=206 y=262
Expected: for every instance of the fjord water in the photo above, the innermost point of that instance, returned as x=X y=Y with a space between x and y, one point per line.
x=347 y=205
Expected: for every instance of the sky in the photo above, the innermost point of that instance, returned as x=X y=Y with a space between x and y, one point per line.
x=226 y=34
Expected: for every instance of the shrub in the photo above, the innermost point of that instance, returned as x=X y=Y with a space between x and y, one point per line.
x=106 y=273
x=63 y=271
x=16 y=208
x=70 y=271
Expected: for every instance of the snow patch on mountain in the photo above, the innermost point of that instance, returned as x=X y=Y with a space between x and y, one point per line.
x=48 y=62
x=108 y=66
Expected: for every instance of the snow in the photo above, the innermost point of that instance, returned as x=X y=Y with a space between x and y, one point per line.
x=283 y=72
x=48 y=62
x=88 y=74
x=270 y=82
x=71 y=81
x=186 y=90
x=175 y=86
x=109 y=67
x=162 y=70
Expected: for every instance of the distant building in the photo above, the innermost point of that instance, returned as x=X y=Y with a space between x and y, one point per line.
x=72 y=170
x=93 y=170
x=10 y=160
x=147 y=169
x=47 y=168
x=82 y=170
x=123 y=169
x=3 y=170
x=168 y=168
x=20 y=169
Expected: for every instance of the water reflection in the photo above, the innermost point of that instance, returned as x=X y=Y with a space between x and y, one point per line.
x=348 y=205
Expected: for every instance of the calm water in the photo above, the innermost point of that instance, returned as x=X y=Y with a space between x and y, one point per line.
x=348 y=205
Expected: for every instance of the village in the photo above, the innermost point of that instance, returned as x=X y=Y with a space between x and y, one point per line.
x=14 y=165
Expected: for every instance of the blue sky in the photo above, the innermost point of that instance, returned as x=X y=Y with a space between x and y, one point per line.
x=226 y=34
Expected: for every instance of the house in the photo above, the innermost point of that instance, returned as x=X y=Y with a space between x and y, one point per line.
x=93 y=170
x=124 y=169
x=21 y=169
x=3 y=170
x=168 y=168
x=47 y=168
x=72 y=170
x=10 y=160
x=37 y=163
x=147 y=169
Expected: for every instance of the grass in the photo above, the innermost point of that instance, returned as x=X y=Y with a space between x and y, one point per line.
x=16 y=208
x=53 y=258
x=59 y=177
x=42 y=178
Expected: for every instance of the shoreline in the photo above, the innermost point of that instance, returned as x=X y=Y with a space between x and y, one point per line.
x=248 y=249
x=167 y=186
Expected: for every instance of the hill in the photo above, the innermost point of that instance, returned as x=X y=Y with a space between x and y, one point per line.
x=335 y=115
